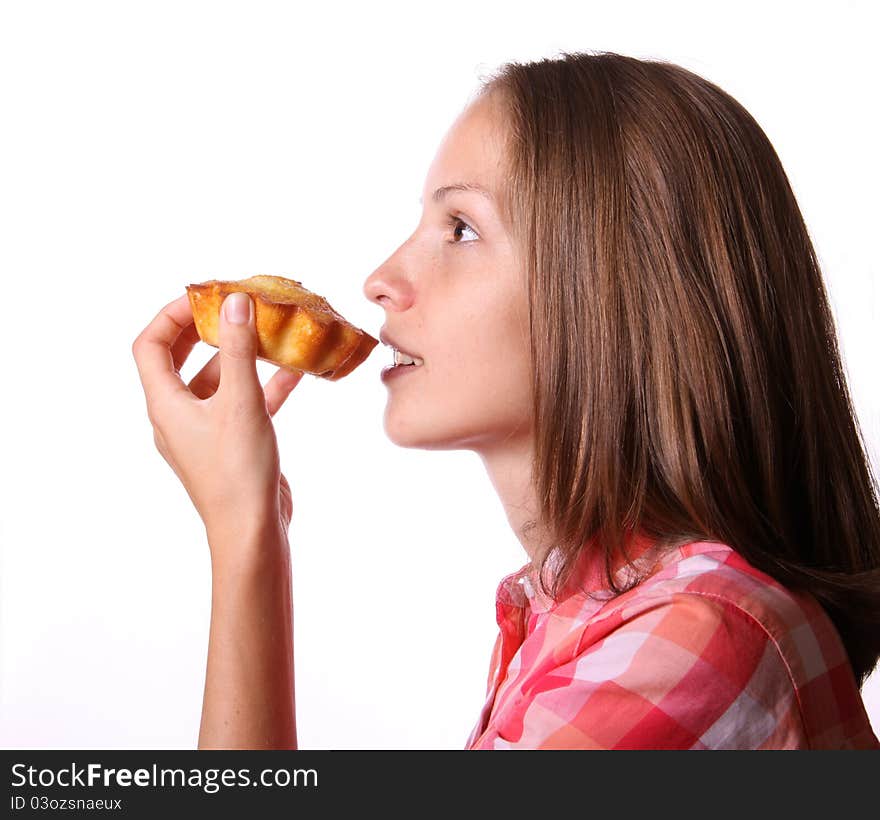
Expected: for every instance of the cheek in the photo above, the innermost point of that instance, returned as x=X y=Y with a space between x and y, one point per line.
x=487 y=359
x=487 y=381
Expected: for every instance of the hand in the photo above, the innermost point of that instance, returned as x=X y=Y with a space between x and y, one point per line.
x=216 y=433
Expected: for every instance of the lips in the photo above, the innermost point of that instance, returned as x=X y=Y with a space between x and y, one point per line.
x=396 y=345
x=394 y=372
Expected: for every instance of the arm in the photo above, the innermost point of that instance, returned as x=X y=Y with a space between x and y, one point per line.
x=249 y=700
x=216 y=433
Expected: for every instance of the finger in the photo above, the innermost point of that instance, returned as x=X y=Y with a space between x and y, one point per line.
x=152 y=349
x=205 y=383
x=181 y=349
x=238 y=348
x=279 y=387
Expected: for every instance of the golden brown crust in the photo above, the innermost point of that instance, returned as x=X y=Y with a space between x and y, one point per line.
x=296 y=328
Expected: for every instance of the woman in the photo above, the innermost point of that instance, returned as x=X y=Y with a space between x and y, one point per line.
x=619 y=309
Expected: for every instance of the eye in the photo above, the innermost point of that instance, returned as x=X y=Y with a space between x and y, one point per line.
x=455 y=223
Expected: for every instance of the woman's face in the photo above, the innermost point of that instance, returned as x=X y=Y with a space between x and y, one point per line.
x=455 y=296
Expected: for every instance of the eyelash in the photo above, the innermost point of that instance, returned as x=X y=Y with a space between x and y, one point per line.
x=453 y=222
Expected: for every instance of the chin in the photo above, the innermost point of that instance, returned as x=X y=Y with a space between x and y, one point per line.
x=428 y=434
x=419 y=436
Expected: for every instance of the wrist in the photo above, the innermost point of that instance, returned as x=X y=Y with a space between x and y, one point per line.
x=247 y=544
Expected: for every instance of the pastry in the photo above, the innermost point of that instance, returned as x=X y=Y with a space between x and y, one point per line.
x=296 y=328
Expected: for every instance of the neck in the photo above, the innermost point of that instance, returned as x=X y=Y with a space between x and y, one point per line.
x=510 y=470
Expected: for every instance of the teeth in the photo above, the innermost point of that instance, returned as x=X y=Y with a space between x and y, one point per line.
x=404 y=358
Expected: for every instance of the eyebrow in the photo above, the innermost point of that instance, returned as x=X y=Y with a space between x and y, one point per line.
x=440 y=193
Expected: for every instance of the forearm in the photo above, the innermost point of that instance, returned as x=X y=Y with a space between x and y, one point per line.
x=249 y=698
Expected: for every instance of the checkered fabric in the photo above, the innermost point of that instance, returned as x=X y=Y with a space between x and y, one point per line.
x=705 y=653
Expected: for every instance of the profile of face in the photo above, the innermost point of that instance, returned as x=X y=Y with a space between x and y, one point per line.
x=455 y=296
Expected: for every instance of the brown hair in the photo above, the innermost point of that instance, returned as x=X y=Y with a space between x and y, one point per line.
x=690 y=385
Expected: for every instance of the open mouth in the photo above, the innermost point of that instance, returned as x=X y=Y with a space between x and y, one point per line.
x=402 y=359
x=403 y=363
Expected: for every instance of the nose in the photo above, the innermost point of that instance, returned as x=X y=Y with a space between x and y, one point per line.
x=388 y=286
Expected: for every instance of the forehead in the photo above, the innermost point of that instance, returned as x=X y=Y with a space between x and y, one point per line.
x=471 y=152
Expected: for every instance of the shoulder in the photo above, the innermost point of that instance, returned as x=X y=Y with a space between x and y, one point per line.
x=706 y=652
x=734 y=626
x=713 y=579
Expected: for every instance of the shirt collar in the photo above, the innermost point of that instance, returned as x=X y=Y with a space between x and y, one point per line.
x=521 y=588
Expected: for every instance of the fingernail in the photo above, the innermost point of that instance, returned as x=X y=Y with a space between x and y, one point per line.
x=238 y=308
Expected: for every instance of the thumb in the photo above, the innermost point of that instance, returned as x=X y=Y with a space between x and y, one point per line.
x=238 y=345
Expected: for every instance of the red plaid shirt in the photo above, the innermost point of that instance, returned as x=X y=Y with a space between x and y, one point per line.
x=705 y=653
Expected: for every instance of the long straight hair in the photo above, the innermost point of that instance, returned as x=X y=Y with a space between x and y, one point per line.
x=689 y=384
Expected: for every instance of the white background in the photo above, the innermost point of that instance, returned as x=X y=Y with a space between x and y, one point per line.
x=144 y=146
